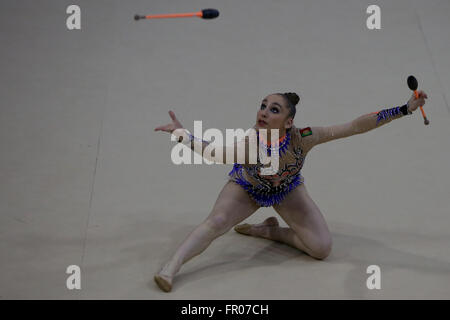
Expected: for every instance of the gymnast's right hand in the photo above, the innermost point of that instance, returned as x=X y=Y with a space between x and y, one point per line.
x=171 y=126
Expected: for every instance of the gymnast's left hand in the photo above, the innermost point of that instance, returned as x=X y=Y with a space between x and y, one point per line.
x=414 y=103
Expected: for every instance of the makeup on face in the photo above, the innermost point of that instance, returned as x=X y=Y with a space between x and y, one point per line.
x=265 y=119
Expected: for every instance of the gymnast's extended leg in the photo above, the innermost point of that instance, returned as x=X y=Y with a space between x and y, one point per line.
x=232 y=206
x=307 y=230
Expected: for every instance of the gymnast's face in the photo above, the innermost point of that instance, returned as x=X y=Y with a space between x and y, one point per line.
x=274 y=114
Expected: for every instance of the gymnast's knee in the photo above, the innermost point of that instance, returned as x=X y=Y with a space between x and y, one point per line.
x=323 y=249
x=218 y=224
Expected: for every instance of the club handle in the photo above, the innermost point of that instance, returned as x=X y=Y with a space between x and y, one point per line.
x=425 y=120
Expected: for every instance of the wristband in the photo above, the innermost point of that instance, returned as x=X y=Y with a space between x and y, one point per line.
x=404 y=109
x=390 y=113
x=181 y=135
x=185 y=137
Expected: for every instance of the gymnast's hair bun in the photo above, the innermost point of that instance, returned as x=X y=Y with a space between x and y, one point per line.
x=293 y=97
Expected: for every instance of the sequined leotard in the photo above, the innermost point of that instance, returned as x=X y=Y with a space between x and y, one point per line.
x=268 y=190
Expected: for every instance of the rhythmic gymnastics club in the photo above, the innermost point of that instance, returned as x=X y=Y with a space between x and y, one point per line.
x=413 y=84
x=204 y=14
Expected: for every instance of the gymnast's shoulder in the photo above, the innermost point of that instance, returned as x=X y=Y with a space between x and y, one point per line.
x=306 y=136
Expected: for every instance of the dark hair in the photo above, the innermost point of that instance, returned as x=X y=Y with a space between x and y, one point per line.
x=292 y=99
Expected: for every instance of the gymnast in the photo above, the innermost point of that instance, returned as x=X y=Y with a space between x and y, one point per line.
x=247 y=189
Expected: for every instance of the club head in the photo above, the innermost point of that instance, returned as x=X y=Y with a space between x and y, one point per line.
x=412 y=83
x=210 y=13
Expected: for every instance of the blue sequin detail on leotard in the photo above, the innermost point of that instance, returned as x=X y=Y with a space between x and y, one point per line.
x=264 y=194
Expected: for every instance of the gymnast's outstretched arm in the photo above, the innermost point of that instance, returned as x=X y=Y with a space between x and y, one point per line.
x=363 y=123
x=237 y=152
x=242 y=150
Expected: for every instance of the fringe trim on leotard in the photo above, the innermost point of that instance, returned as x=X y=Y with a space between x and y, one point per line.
x=265 y=196
x=282 y=147
x=388 y=113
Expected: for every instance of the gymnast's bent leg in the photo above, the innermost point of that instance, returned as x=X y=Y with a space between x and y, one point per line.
x=308 y=230
x=232 y=206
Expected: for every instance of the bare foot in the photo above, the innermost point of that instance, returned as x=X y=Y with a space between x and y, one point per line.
x=164 y=282
x=257 y=230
